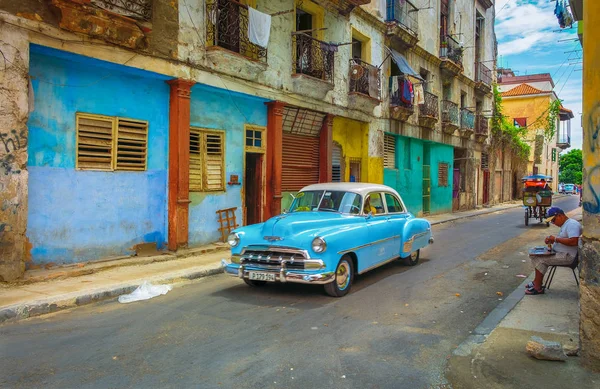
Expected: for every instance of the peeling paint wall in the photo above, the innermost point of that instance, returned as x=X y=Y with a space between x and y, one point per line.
x=76 y=215
x=221 y=110
x=14 y=112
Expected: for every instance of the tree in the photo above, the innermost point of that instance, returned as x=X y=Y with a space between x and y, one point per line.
x=570 y=167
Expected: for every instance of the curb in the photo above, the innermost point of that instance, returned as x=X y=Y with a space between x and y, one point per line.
x=487 y=212
x=62 y=302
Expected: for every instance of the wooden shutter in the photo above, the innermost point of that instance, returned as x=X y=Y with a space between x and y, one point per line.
x=94 y=142
x=300 y=162
x=443 y=174
x=214 y=173
x=195 y=161
x=132 y=144
x=336 y=163
x=389 y=152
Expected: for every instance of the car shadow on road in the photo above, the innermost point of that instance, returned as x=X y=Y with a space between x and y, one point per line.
x=306 y=296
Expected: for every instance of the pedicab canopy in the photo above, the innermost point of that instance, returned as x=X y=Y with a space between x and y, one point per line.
x=536 y=181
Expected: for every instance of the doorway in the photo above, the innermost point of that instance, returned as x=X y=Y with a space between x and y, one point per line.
x=253 y=185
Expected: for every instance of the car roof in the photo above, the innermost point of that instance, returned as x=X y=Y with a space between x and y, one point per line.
x=361 y=188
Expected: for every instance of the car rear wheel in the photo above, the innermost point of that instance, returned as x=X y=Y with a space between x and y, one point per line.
x=344 y=275
x=255 y=283
x=413 y=259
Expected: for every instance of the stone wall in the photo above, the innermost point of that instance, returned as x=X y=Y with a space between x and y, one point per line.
x=14 y=112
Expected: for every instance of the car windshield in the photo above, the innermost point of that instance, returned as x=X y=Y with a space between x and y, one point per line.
x=327 y=200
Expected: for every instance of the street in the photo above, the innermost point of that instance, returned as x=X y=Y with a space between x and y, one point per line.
x=395 y=329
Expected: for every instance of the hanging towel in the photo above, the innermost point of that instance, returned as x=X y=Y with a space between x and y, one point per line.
x=395 y=86
x=374 y=82
x=419 y=94
x=407 y=92
x=259 y=27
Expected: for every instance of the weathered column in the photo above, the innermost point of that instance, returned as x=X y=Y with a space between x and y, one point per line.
x=179 y=163
x=325 y=144
x=590 y=250
x=16 y=102
x=274 y=157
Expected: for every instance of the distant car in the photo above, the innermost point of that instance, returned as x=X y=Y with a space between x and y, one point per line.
x=561 y=188
x=570 y=189
x=332 y=232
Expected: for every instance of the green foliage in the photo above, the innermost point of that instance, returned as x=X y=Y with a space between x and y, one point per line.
x=570 y=167
x=506 y=133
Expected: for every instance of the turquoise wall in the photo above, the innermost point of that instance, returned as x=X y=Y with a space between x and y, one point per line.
x=222 y=110
x=407 y=178
x=441 y=196
x=81 y=215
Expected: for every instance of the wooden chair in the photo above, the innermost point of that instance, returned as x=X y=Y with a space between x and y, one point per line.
x=574 y=265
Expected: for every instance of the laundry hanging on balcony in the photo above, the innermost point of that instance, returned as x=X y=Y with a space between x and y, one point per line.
x=403 y=65
x=565 y=19
x=259 y=27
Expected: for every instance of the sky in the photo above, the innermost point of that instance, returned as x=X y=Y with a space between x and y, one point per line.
x=528 y=36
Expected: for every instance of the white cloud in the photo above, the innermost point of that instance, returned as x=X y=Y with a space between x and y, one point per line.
x=533 y=41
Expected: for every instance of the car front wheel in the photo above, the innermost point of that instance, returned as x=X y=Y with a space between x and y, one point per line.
x=344 y=275
x=413 y=259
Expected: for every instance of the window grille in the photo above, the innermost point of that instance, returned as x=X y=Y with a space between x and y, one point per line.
x=207 y=160
x=111 y=143
x=485 y=161
x=443 y=174
x=389 y=156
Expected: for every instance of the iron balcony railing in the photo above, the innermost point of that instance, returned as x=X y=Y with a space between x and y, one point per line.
x=137 y=9
x=365 y=78
x=467 y=119
x=227 y=27
x=481 y=125
x=483 y=73
x=396 y=92
x=451 y=49
x=431 y=106
x=405 y=13
x=313 y=57
x=450 y=113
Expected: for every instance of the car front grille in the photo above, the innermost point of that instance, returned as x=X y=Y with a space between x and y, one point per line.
x=274 y=258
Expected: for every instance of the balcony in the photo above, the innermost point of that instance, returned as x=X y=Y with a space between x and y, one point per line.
x=344 y=7
x=227 y=28
x=402 y=22
x=135 y=9
x=486 y=3
x=483 y=78
x=450 y=117
x=365 y=85
x=467 y=123
x=429 y=111
x=313 y=65
x=564 y=128
x=399 y=109
x=481 y=128
x=451 y=53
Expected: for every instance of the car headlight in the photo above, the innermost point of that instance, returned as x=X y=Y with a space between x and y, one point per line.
x=233 y=239
x=319 y=245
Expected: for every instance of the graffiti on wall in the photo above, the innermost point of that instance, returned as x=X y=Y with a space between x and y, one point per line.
x=11 y=142
x=592 y=199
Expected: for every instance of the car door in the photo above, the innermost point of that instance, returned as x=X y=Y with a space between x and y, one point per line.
x=397 y=216
x=381 y=246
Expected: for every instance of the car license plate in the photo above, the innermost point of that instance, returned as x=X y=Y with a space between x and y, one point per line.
x=258 y=276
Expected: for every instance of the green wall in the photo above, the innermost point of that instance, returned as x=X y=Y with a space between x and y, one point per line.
x=441 y=196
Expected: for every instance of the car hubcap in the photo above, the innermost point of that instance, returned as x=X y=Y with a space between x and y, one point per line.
x=343 y=275
x=413 y=255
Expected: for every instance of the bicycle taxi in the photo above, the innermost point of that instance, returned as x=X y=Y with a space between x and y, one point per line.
x=537 y=197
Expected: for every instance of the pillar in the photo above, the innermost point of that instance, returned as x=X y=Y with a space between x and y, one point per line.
x=274 y=157
x=179 y=162
x=325 y=144
x=590 y=250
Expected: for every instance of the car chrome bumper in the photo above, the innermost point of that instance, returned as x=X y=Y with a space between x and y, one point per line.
x=283 y=275
x=431 y=240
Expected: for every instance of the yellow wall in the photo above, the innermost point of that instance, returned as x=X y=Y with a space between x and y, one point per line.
x=353 y=136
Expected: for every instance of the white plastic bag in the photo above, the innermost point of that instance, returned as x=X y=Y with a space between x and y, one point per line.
x=144 y=292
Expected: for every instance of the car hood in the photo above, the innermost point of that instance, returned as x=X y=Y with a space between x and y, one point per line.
x=292 y=224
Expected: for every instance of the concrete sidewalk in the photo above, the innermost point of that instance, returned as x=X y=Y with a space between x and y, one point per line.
x=494 y=355
x=49 y=290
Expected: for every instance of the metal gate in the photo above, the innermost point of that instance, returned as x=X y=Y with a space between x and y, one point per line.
x=300 y=162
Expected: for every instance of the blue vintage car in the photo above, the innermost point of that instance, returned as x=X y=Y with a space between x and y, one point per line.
x=331 y=232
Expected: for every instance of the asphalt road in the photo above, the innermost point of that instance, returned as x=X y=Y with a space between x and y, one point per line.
x=396 y=328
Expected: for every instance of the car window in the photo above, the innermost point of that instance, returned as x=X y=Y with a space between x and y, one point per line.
x=373 y=204
x=306 y=201
x=393 y=204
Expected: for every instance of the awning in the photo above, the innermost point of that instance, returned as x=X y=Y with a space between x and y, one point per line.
x=403 y=65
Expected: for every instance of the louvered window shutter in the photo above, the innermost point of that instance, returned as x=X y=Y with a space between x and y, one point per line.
x=389 y=156
x=94 y=142
x=195 y=160
x=214 y=176
x=132 y=143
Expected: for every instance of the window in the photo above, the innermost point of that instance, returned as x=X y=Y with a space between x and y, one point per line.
x=520 y=122
x=374 y=204
x=389 y=152
x=111 y=143
x=393 y=204
x=442 y=174
x=553 y=154
x=207 y=160
x=255 y=138
x=485 y=162
x=336 y=163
